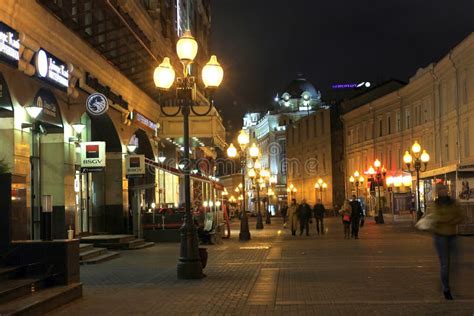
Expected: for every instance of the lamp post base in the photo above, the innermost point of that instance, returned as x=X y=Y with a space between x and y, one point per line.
x=259 y=221
x=268 y=219
x=379 y=219
x=244 y=234
x=189 y=264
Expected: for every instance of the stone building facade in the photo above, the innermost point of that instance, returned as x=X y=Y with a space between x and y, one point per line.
x=111 y=47
x=315 y=151
x=436 y=108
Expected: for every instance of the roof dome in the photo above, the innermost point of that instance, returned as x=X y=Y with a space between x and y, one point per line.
x=297 y=87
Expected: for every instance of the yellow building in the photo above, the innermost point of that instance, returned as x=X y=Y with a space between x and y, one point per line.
x=436 y=108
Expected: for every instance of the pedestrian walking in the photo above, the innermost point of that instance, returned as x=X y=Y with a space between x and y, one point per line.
x=345 y=213
x=319 y=212
x=293 y=216
x=284 y=213
x=304 y=212
x=442 y=221
x=356 y=215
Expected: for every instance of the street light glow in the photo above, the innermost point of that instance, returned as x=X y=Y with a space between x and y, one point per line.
x=186 y=47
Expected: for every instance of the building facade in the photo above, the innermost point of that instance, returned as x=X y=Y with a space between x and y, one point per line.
x=436 y=109
x=268 y=131
x=54 y=55
x=314 y=152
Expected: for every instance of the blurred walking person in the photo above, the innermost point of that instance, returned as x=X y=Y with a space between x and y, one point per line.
x=345 y=213
x=319 y=212
x=356 y=215
x=293 y=216
x=446 y=214
x=304 y=212
x=284 y=213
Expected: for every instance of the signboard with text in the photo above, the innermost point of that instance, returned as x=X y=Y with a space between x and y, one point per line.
x=9 y=44
x=51 y=69
x=135 y=165
x=92 y=156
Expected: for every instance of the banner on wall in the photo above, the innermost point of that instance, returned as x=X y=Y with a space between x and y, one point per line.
x=92 y=156
x=135 y=165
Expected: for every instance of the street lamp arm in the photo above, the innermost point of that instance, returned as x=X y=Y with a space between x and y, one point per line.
x=209 y=109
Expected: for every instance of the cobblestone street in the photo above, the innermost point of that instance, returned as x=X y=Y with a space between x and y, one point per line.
x=390 y=270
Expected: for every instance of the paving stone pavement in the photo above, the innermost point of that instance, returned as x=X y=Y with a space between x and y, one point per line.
x=390 y=270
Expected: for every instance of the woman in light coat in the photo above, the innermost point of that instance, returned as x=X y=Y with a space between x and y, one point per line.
x=345 y=213
x=293 y=216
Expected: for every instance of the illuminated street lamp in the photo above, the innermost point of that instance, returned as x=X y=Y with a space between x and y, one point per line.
x=255 y=174
x=232 y=152
x=184 y=100
x=420 y=163
x=380 y=173
x=356 y=180
x=320 y=186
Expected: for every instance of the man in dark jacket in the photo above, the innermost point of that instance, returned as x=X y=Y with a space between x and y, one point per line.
x=304 y=212
x=319 y=211
x=356 y=215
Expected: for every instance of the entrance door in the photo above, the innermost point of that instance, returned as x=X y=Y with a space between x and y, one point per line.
x=84 y=202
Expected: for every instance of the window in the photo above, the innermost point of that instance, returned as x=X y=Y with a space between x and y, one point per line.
x=380 y=127
x=399 y=125
x=466 y=140
x=446 y=143
x=407 y=118
x=322 y=123
x=389 y=125
x=307 y=128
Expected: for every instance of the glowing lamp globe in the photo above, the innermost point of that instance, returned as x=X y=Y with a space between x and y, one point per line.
x=164 y=75
x=377 y=163
x=232 y=151
x=425 y=157
x=252 y=173
x=325 y=185
x=254 y=152
x=416 y=148
x=212 y=73
x=187 y=47
x=243 y=138
x=361 y=179
x=351 y=179
x=407 y=158
x=356 y=174
x=78 y=127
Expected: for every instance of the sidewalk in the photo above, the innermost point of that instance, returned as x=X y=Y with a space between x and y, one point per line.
x=390 y=270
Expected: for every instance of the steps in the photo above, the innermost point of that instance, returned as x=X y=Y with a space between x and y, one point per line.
x=25 y=292
x=41 y=302
x=119 y=242
x=88 y=254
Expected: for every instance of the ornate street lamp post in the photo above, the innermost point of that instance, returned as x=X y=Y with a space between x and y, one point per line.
x=243 y=140
x=380 y=174
x=184 y=100
x=420 y=163
x=254 y=175
x=356 y=180
x=320 y=186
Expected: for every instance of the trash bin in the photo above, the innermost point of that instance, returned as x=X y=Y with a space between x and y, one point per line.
x=203 y=256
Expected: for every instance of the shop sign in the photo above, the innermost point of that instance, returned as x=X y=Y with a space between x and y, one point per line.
x=5 y=100
x=9 y=44
x=146 y=122
x=46 y=100
x=97 y=104
x=92 y=156
x=51 y=68
x=105 y=90
x=135 y=164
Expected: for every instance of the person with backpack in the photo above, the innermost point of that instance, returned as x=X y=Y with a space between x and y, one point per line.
x=345 y=213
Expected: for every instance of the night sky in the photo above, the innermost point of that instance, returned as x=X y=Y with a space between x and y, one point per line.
x=264 y=44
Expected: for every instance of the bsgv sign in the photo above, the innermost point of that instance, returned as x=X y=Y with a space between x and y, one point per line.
x=92 y=156
x=135 y=164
